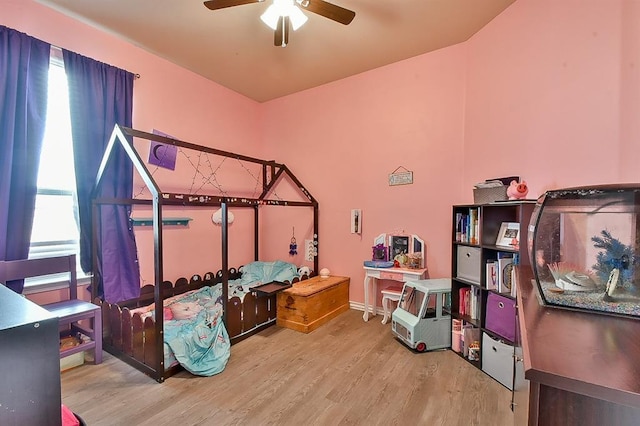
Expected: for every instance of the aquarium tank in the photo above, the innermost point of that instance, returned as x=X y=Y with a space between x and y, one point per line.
x=583 y=246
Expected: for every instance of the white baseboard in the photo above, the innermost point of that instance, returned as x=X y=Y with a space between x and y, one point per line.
x=358 y=306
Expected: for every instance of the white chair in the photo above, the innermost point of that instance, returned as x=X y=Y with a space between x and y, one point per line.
x=389 y=295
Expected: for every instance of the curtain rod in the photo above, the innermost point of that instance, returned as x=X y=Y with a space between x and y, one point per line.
x=57 y=54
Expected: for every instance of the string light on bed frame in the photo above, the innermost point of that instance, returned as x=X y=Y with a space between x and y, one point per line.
x=211 y=179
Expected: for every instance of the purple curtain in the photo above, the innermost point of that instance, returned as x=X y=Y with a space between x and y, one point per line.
x=24 y=74
x=101 y=96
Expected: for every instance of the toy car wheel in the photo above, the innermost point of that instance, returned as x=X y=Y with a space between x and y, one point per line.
x=421 y=347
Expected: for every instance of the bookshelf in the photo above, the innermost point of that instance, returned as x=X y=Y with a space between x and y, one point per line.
x=483 y=295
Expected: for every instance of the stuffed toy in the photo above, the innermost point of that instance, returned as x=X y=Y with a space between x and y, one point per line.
x=304 y=270
x=517 y=191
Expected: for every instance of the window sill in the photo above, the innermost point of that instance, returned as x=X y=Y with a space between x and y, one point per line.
x=52 y=283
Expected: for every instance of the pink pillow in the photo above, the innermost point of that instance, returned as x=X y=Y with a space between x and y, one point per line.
x=168 y=314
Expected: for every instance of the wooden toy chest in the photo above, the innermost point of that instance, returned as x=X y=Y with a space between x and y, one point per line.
x=310 y=303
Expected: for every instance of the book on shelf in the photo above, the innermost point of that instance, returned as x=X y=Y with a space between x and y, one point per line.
x=467 y=227
x=476 y=296
x=461 y=227
x=491 y=279
x=469 y=302
x=505 y=265
x=461 y=300
x=473 y=226
x=514 y=275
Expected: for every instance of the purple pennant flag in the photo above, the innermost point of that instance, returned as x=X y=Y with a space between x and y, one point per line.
x=163 y=155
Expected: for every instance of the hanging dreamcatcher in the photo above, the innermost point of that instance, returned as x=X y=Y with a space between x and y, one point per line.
x=293 y=246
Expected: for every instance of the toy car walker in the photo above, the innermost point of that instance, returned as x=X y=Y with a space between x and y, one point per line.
x=422 y=320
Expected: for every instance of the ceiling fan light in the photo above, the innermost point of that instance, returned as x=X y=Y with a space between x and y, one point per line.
x=283 y=8
x=271 y=16
x=297 y=17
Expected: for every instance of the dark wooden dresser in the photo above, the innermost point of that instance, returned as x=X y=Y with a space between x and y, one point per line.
x=582 y=368
x=29 y=363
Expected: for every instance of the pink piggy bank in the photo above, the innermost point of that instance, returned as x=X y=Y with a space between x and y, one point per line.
x=517 y=191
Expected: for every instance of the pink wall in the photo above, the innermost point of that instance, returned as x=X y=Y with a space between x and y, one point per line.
x=629 y=32
x=549 y=90
x=344 y=139
x=552 y=89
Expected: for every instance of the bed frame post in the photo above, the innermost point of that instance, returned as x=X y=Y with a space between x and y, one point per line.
x=159 y=278
x=225 y=261
x=256 y=236
x=316 y=236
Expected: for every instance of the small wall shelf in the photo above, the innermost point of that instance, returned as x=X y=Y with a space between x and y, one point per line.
x=148 y=221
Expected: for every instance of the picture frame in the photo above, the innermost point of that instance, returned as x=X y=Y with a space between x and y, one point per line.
x=398 y=244
x=379 y=253
x=418 y=249
x=509 y=235
x=379 y=249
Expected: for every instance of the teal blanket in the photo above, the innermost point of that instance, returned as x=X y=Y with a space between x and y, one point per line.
x=257 y=273
x=196 y=335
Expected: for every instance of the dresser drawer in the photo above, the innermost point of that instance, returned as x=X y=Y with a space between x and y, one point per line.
x=395 y=276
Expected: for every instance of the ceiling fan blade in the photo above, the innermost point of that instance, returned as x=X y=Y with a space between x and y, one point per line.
x=221 y=4
x=281 y=36
x=328 y=10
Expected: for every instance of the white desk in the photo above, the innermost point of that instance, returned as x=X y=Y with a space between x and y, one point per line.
x=371 y=277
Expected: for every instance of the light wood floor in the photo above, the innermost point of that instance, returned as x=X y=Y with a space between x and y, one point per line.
x=347 y=372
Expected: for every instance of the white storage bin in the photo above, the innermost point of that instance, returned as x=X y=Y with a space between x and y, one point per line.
x=71 y=361
x=468 y=263
x=498 y=361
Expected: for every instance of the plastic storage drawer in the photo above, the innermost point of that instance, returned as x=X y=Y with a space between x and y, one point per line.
x=498 y=361
x=468 y=263
x=501 y=316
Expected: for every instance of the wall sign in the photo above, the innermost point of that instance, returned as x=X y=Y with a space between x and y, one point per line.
x=400 y=176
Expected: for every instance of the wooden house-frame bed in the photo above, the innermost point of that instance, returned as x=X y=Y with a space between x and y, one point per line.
x=139 y=341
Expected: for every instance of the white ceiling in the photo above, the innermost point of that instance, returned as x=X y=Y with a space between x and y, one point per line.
x=235 y=49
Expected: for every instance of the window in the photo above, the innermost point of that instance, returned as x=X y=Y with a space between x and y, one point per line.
x=411 y=300
x=55 y=226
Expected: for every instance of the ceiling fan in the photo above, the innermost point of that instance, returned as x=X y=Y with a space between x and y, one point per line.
x=283 y=14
